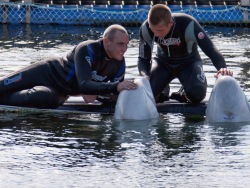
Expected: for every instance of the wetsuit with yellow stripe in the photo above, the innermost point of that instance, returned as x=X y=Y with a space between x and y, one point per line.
x=177 y=56
x=87 y=69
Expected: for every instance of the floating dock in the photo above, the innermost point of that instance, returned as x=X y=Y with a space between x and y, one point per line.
x=79 y=107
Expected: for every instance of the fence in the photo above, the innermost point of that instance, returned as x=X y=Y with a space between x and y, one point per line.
x=20 y=12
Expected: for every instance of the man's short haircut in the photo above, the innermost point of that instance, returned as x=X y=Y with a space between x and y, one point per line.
x=111 y=30
x=159 y=13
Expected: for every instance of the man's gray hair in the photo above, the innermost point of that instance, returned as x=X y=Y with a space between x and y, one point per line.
x=110 y=31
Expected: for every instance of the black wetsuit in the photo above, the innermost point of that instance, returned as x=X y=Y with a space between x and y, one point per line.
x=177 y=56
x=87 y=69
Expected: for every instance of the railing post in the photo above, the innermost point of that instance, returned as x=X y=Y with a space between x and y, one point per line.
x=28 y=11
x=245 y=3
x=5 y=11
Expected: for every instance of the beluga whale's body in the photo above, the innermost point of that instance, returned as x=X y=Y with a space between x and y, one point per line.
x=227 y=102
x=138 y=104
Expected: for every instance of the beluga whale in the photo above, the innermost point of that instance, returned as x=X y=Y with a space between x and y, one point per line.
x=227 y=102
x=138 y=104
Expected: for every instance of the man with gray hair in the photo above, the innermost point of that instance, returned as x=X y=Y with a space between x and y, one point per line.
x=92 y=68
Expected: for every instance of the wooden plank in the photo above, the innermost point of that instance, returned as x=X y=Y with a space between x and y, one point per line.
x=77 y=105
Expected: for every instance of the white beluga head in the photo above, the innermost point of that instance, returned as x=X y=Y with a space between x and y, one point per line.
x=227 y=102
x=138 y=104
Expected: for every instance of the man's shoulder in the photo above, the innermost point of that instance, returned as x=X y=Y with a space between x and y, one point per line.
x=145 y=27
x=182 y=20
x=90 y=45
x=145 y=24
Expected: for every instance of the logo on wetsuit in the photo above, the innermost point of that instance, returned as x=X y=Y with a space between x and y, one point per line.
x=88 y=60
x=16 y=78
x=201 y=35
x=201 y=76
x=119 y=78
x=97 y=77
x=170 y=41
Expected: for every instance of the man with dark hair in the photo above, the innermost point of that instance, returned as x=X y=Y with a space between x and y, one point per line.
x=177 y=36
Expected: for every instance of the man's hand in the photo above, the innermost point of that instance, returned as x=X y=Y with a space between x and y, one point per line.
x=224 y=71
x=126 y=85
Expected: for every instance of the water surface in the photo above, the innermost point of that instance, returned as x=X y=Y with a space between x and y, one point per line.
x=94 y=150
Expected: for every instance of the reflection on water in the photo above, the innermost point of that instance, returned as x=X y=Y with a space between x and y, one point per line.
x=72 y=150
x=90 y=144
x=97 y=151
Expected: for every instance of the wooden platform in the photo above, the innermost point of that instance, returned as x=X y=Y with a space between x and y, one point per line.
x=76 y=106
x=167 y=107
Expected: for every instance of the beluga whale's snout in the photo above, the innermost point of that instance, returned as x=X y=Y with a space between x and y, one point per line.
x=227 y=102
x=138 y=104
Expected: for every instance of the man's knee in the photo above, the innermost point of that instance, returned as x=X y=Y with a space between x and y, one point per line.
x=196 y=94
x=46 y=97
x=38 y=96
